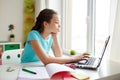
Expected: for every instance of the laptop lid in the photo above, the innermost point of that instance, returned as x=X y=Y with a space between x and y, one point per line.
x=82 y=64
x=104 y=48
x=97 y=61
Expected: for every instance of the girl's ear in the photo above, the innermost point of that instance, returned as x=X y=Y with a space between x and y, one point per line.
x=45 y=23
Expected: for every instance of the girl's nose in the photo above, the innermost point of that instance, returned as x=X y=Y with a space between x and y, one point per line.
x=59 y=25
x=58 y=29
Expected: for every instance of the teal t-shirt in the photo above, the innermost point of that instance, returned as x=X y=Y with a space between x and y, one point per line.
x=29 y=54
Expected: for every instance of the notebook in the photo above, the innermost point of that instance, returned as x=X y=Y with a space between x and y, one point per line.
x=93 y=62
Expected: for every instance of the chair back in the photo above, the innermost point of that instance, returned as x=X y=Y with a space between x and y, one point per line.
x=12 y=56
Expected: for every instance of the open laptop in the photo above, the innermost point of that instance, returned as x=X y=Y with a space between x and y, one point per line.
x=93 y=62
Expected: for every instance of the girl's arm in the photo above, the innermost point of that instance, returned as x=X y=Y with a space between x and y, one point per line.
x=46 y=59
x=56 y=46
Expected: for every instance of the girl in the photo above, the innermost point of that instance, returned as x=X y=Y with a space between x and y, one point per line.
x=43 y=37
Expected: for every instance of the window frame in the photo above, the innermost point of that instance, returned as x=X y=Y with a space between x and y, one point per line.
x=67 y=25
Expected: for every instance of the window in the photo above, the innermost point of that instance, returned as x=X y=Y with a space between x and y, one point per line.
x=79 y=25
x=86 y=24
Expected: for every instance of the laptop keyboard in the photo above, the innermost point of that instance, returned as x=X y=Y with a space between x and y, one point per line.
x=90 y=61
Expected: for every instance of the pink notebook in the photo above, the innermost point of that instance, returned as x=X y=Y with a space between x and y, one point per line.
x=0 y=62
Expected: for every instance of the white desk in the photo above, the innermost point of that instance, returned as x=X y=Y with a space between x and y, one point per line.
x=107 y=68
x=9 y=75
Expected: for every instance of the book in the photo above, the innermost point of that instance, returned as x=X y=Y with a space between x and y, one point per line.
x=43 y=73
x=52 y=71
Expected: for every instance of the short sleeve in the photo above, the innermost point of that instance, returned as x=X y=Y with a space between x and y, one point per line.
x=33 y=35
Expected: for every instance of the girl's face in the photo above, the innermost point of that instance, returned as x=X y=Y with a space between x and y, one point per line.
x=54 y=25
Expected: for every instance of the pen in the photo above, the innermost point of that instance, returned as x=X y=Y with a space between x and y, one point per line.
x=29 y=71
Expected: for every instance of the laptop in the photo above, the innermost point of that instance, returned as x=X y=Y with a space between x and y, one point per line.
x=93 y=62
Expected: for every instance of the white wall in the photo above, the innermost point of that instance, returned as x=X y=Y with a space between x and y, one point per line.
x=11 y=12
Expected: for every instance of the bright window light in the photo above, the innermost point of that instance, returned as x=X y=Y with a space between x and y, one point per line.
x=79 y=26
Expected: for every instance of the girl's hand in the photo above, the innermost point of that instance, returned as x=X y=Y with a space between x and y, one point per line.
x=79 y=57
x=54 y=35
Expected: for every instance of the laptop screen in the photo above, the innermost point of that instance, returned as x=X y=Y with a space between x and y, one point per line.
x=104 y=48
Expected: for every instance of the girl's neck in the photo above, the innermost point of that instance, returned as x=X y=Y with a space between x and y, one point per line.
x=45 y=36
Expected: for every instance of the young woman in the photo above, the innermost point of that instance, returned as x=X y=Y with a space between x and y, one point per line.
x=43 y=37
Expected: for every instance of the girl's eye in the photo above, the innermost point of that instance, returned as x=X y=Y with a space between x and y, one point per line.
x=57 y=22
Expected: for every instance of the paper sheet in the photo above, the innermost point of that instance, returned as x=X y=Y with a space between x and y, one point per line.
x=41 y=74
x=80 y=76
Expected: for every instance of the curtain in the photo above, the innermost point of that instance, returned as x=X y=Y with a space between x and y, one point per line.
x=39 y=5
x=115 y=38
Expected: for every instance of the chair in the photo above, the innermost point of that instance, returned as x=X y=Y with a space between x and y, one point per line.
x=12 y=56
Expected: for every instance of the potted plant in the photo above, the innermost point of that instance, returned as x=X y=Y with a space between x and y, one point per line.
x=11 y=36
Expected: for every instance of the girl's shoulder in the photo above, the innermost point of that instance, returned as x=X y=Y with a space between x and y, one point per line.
x=34 y=32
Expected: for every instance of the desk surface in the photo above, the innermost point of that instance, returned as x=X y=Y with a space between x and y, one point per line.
x=107 y=68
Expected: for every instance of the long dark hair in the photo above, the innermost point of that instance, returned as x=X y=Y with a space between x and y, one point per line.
x=44 y=15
